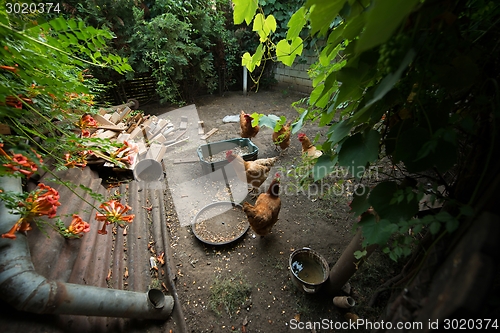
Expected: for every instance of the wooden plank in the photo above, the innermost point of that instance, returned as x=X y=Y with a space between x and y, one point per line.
x=123 y=137
x=184 y=121
x=212 y=131
x=186 y=160
x=156 y=152
x=124 y=113
x=136 y=133
x=176 y=142
x=142 y=147
x=131 y=128
x=149 y=121
x=169 y=142
x=117 y=128
x=115 y=117
x=107 y=134
x=159 y=138
x=102 y=120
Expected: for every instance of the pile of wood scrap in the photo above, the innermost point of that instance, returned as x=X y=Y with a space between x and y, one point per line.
x=147 y=136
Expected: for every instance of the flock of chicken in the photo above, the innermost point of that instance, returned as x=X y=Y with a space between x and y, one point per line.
x=264 y=213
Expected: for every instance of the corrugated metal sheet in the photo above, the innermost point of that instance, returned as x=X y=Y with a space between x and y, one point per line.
x=118 y=260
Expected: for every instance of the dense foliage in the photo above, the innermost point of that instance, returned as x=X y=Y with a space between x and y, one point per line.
x=187 y=46
x=44 y=78
x=414 y=81
x=46 y=102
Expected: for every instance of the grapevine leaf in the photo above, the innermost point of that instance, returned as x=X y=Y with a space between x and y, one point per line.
x=268 y=121
x=286 y=52
x=323 y=166
x=434 y=227
x=382 y=19
x=358 y=150
x=296 y=23
x=339 y=131
x=359 y=203
x=323 y=13
x=296 y=127
x=376 y=232
x=467 y=210
x=244 y=10
x=380 y=199
x=264 y=26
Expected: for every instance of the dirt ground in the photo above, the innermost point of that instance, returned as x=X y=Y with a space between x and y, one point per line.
x=246 y=286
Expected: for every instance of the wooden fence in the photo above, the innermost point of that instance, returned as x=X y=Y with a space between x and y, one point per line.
x=141 y=88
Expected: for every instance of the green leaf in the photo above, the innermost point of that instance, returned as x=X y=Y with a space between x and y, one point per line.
x=244 y=10
x=286 y=52
x=72 y=24
x=390 y=80
x=359 y=203
x=250 y=62
x=443 y=216
x=382 y=19
x=376 y=232
x=354 y=27
x=264 y=26
x=59 y=24
x=359 y=150
x=268 y=120
x=339 y=131
x=352 y=79
x=296 y=23
x=467 y=210
x=380 y=199
x=257 y=57
x=323 y=14
x=452 y=225
x=246 y=60
x=434 y=227
x=324 y=166
x=360 y=254
x=296 y=127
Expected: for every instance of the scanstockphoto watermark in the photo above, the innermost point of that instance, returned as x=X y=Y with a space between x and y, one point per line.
x=322 y=188
x=328 y=324
x=335 y=173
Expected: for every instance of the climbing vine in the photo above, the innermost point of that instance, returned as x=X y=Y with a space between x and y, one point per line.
x=413 y=81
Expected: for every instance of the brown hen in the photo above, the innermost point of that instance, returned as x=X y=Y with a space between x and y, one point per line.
x=264 y=214
x=247 y=130
x=308 y=148
x=281 y=138
x=252 y=172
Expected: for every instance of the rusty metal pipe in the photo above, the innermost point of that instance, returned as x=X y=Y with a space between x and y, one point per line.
x=26 y=290
x=346 y=266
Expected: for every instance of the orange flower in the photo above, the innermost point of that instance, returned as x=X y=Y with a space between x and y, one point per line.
x=20 y=163
x=129 y=159
x=10 y=68
x=14 y=102
x=89 y=121
x=78 y=225
x=113 y=213
x=79 y=161
x=43 y=201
